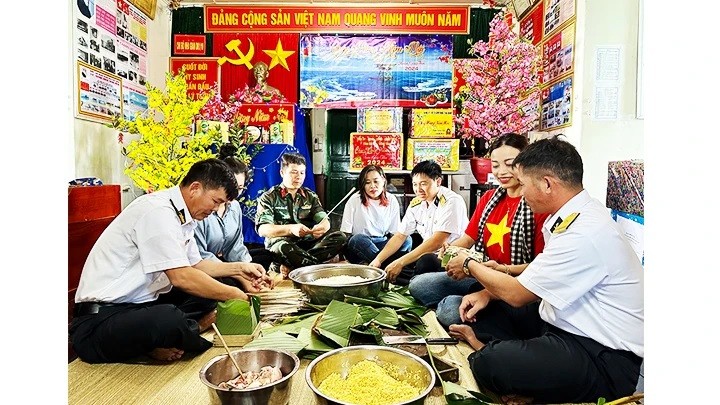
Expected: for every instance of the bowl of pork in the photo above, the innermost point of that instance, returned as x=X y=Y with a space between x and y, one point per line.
x=265 y=378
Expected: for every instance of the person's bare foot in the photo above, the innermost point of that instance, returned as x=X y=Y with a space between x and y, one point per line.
x=516 y=400
x=166 y=354
x=465 y=333
x=207 y=320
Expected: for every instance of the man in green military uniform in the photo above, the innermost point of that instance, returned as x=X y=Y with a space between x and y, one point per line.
x=292 y=221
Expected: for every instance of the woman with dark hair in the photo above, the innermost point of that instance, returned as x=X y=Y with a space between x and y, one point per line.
x=220 y=236
x=371 y=217
x=503 y=229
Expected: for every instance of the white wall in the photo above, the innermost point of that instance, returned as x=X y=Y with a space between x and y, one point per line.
x=606 y=23
x=96 y=150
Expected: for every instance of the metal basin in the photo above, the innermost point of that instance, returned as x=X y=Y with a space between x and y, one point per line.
x=304 y=278
x=341 y=360
x=221 y=369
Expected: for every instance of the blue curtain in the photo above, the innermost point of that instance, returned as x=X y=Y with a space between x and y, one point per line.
x=266 y=172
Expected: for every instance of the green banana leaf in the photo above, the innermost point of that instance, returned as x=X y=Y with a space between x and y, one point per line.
x=367 y=313
x=277 y=340
x=336 y=322
x=387 y=317
x=393 y=297
x=365 y=301
x=313 y=343
x=296 y=326
x=416 y=329
x=238 y=317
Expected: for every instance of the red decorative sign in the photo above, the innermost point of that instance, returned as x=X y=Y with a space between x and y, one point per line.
x=268 y=123
x=333 y=19
x=201 y=74
x=531 y=25
x=189 y=44
x=375 y=148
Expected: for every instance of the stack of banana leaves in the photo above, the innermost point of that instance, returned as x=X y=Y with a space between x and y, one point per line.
x=321 y=328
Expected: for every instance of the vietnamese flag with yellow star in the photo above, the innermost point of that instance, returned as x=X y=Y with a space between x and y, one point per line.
x=239 y=52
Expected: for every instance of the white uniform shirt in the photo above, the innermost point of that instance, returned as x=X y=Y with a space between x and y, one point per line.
x=589 y=278
x=126 y=263
x=447 y=213
x=373 y=220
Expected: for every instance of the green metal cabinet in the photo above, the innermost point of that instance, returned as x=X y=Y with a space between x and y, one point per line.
x=339 y=125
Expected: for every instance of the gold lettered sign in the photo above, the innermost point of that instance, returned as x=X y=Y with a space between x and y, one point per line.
x=431 y=123
x=379 y=119
x=146 y=6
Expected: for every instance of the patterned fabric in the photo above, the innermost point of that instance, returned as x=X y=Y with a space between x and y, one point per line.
x=522 y=231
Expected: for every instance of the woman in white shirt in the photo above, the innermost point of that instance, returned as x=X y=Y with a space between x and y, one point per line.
x=371 y=217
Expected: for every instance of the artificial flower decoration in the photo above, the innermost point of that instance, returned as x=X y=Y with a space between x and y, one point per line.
x=502 y=92
x=166 y=146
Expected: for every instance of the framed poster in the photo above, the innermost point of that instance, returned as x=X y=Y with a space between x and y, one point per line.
x=146 y=6
x=380 y=149
x=99 y=93
x=557 y=13
x=521 y=7
x=558 y=54
x=557 y=105
x=531 y=25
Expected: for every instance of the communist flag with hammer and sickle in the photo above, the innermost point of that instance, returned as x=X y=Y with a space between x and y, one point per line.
x=239 y=52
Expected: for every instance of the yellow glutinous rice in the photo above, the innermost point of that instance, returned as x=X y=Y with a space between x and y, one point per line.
x=368 y=383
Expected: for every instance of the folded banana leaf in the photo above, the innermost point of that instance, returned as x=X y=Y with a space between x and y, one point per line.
x=336 y=322
x=238 y=317
x=313 y=342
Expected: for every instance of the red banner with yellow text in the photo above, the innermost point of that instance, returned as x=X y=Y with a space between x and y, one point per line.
x=201 y=74
x=332 y=19
x=239 y=52
x=268 y=123
x=189 y=44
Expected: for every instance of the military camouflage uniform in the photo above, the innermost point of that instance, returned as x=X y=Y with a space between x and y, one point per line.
x=277 y=207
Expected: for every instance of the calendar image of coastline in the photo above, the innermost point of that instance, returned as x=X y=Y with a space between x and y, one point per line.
x=378 y=71
x=625 y=187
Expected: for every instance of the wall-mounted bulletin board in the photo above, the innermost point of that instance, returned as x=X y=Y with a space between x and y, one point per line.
x=110 y=46
x=550 y=26
x=557 y=13
x=557 y=104
x=558 y=54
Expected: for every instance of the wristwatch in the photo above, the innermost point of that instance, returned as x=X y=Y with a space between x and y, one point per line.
x=467 y=261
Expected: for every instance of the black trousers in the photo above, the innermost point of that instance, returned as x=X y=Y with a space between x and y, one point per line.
x=123 y=332
x=526 y=356
x=262 y=257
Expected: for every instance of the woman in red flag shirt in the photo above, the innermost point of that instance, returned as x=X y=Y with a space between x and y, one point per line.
x=511 y=237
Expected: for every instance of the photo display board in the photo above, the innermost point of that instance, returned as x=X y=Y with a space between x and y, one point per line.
x=111 y=37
